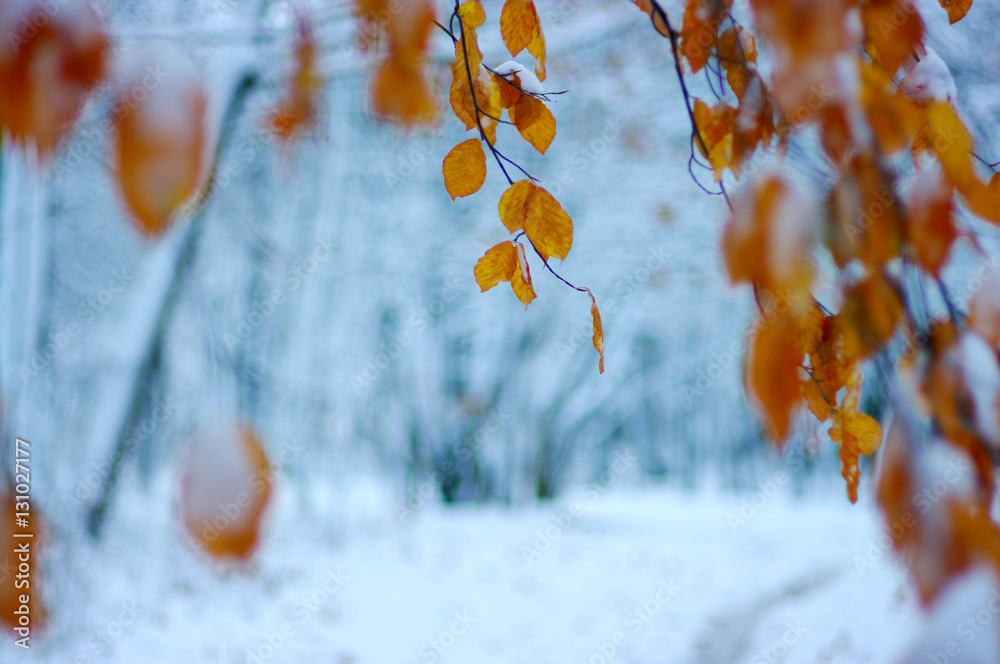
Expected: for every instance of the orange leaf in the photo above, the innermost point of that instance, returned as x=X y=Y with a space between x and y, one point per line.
x=514 y=203
x=595 y=313
x=521 y=279
x=952 y=144
x=775 y=357
x=222 y=468
x=499 y=263
x=298 y=109
x=521 y=29
x=768 y=237
x=534 y=121
x=857 y=434
x=464 y=168
x=984 y=199
x=472 y=13
x=869 y=316
x=160 y=155
x=716 y=126
x=528 y=207
x=487 y=97
x=654 y=16
x=51 y=57
x=865 y=217
x=957 y=9
x=893 y=117
x=930 y=226
x=700 y=30
x=400 y=92
x=893 y=31
x=815 y=400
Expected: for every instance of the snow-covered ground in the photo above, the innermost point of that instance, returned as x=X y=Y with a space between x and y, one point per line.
x=641 y=576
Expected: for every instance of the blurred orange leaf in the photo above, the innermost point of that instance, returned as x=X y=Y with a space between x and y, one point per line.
x=226 y=487
x=46 y=72
x=160 y=147
x=298 y=109
x=775 y=358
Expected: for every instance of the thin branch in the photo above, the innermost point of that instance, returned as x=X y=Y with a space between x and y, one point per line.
x=675 y=48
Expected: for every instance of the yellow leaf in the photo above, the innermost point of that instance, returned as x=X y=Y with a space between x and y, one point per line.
x=654 y=16
x=513 y=205
x=534 y=122
x=528 y=207
x=519 y=24
x=472 y=13
x=857 y=434
x=547 y=225
x=400 y=92
x=595 y=313
x=952 y=144
x=499 y=263
x=464 y=168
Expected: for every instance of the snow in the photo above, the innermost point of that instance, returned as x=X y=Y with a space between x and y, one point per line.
x=982 y=377
x=930 y=79
x=961 y=628
x=656 y=575
x=528 y=81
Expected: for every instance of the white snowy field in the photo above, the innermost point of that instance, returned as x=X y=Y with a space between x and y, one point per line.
x=644 y=577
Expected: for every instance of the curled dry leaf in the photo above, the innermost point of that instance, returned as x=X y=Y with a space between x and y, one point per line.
x=464 y=168
x=595 y=314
